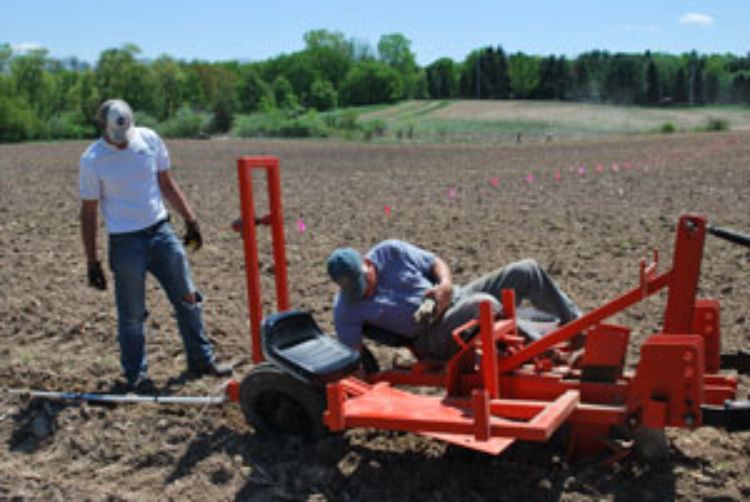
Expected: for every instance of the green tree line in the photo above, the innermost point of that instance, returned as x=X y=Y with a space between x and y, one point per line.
x=46 y=98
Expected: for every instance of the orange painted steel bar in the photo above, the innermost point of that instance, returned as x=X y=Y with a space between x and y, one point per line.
x=681 y=279
x=385 y=407
x=489 y=351
x=688 y=254
x=245 y=168
x=571 y=329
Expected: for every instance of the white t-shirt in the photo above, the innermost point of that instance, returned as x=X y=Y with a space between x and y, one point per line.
x=125 y=181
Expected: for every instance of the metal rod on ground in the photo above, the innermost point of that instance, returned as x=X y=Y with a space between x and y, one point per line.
x=121 y=398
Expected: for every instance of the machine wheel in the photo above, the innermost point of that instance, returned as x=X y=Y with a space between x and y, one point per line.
x=651 y=445
x=275 y=402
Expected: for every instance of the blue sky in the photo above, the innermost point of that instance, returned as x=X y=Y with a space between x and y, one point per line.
x=253 y=30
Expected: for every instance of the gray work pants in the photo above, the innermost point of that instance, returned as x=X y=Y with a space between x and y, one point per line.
x=528 y=280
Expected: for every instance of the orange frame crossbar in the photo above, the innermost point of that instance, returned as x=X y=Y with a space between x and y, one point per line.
x=245 y=168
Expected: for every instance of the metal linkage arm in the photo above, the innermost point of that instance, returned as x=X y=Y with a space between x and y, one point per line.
x=730 y=235
x=734 y=416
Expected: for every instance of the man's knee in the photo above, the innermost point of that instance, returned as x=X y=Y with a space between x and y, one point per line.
x=192 y=298
x=526 y=266
x=522 y=272
x=473 y=302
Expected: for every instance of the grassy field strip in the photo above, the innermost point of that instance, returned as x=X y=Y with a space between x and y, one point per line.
x=395 y=112
x=560 y=118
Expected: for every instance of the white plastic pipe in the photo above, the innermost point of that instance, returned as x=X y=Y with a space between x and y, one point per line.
x=122 y=398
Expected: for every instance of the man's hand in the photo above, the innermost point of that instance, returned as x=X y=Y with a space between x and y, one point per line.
x=442 y=294
x=425 y=314
x=96 y=276
x=193 y=238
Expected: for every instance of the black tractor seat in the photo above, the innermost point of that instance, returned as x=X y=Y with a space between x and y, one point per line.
x=294 y=341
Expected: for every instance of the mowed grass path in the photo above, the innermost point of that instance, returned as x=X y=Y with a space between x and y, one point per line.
x=449 y=120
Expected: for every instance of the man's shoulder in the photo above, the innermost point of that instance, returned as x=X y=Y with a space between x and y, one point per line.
x=343 y=309
x=95 y=149
x=391 y=247
x=389 y=244
x=148 y=135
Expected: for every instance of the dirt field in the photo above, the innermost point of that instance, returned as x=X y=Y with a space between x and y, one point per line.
x=590 y=230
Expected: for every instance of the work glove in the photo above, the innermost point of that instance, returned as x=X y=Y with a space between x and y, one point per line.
x=96 y=276
x=425 y=314
x=193 y=238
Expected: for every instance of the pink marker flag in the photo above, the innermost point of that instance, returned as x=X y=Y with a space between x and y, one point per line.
x=387 y=210
x=530 y=178
x=582 y=170
x=615 y=167
x=495 y=182
x=451 y=193
x=558 y=177
x=301 y=227
x=599 y=168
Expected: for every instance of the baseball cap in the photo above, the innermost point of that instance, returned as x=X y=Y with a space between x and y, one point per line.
x=116 y=118
x=346 y=268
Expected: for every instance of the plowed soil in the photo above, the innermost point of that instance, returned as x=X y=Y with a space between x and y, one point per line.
x=586 y=220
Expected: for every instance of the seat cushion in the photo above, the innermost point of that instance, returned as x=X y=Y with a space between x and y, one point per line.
x=294 y=341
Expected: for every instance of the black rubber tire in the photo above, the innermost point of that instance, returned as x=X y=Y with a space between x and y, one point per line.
x=276 y=403
x=651 y=445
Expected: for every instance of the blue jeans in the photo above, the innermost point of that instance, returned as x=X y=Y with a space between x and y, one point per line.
x=156 y=250
x=528 y=280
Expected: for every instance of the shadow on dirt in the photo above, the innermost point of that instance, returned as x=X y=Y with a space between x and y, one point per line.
x=525 y=472
x=35 y=424
x=272 y=468
x=336 y=469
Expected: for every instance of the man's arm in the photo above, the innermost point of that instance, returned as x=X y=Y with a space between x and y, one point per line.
x=88 y=235
x=88 y=229
x=171 y=191
x=443 y=290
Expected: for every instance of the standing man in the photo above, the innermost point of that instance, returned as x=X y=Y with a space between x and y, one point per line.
x=385 y=290
x=126 y=172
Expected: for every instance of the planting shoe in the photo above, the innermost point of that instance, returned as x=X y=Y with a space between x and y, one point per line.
x=143 y=386
x=213 y=368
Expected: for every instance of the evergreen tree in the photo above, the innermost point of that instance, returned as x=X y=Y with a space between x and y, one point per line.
x=523 y=72
x=441 y=79
x=653 y=86
x=680 y=87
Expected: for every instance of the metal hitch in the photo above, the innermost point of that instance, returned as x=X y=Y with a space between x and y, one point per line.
x=734 y=416
x=730 y=235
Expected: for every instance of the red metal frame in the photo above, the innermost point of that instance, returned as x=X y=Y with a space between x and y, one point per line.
x=676 y=373
x=245 y=168
x=499 y=389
